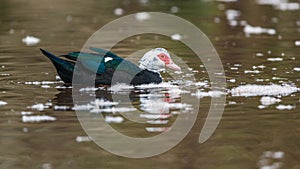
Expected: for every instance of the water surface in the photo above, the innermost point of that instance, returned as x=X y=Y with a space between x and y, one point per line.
x=248 y=135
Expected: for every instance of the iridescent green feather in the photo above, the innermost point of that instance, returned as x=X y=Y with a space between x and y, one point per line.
x=91 y=61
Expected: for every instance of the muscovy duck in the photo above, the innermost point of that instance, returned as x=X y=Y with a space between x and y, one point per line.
x=112 y=68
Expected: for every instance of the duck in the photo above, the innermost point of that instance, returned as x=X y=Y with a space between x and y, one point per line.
x=110 y=68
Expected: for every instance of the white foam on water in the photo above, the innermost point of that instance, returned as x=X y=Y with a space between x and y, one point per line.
x=142 y=16
x=47 y=166
x=297 y=69
x=217 y=20
x=178 y=105
x=176 y=37
x=273 y=166
x=270 y=2
x=267 y=154
x=178 y=72
x=259 y=67
x=57 y=77
x=251 y=71
x=63 y=87
x=243 y=22
x=157 y=121
x=232 y=103
x=175 y=112
x=290 y=6
x=26 y=113
x=188 y=75
x=278 y=155
x=248 y=29
x=42 y=82
x=39 y=107
x=204 y=84
x=278 y=59
x=48 y=104
x=119 y=11
x=2 y=103
x=102 y=103
x=176 y=92
x=113 y=110
x=232 y=14
x=112 y=119
x=200 y=94
x=232 y=80
x=155 y=116
x=282 y=5
x=259 y=54
x=61 y=107
x=285 y=107
x=238 y=65
x=271 y=160
x=45 y=86
x=218 y=73
x=155 y=106
x=80 y=139
x=4 y=74
x=37 y=118
x=262 y=106
x=97 y=104
x=156 y=129
x=160 y=85
x=263 y=90
x=120 y=87
x=89 y=89
x=102 y=106
x=278 y=78
x=233 y=22
x=31 y=40
x=267 y=100
x=174 y=9
x=83 y=107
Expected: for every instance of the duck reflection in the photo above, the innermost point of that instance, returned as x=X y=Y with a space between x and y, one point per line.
x=154 y=107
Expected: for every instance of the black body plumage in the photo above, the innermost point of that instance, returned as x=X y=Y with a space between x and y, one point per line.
x=105 y=67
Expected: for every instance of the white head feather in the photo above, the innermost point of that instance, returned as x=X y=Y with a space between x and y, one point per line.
x=156 y=60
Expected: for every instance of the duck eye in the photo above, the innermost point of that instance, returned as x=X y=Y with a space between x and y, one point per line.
x=162 y=56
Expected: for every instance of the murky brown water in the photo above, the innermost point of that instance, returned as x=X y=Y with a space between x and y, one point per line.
x=245 y=133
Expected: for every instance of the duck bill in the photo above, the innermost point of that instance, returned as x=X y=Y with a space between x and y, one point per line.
x=173 y=66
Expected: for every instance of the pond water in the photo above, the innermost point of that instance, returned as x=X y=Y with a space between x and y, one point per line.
x=258 y=43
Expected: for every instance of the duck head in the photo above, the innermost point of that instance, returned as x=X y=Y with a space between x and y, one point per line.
x=157 y=60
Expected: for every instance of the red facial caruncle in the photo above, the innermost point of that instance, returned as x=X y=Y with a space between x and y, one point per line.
x=164 y=58
x=168 y=61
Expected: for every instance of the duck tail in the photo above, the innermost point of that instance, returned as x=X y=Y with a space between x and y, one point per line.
x=64 y=68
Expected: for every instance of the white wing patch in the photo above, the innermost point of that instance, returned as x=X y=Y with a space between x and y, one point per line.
x=106 y=59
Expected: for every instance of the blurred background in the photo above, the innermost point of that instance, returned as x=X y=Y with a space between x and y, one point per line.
x=258 y=42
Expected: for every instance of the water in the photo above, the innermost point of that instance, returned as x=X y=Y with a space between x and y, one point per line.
x=248 y=136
